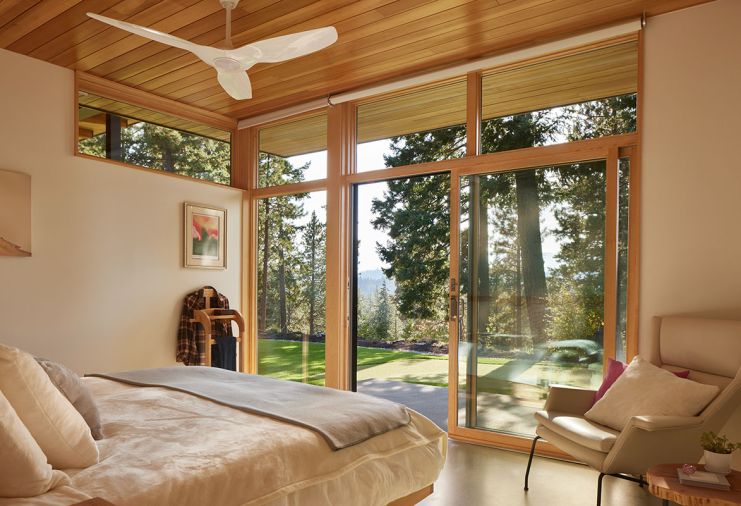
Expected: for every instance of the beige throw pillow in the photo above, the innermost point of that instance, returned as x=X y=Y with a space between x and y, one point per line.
x=76 y=392
x=644 y=389
x=57 y=427
x=24 y=471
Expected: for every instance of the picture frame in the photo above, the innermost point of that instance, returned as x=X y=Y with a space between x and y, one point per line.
x=204 y=236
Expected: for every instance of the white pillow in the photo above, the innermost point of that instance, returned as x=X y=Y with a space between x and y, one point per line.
x=23 y=468
x=644 y=389
x=54 y=423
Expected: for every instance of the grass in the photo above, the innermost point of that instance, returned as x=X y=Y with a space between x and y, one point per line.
x=286 y=360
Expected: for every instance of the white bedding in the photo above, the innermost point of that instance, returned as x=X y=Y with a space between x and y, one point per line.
x=166 y=447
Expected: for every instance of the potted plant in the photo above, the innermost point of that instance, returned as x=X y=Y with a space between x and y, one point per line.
x=718 y=450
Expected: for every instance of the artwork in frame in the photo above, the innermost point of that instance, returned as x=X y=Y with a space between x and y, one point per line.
x=205 y=236
x=15 y=214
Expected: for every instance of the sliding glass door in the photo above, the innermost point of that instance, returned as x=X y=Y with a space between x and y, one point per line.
x=401 y=252
x=533 y=252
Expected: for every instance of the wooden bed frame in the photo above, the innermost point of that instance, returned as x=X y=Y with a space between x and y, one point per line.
x=413 y=498
x=407 y=500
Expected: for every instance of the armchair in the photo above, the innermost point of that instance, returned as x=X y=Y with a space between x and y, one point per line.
x=710 y=349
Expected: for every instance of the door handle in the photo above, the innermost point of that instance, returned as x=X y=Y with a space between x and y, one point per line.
x=453 y=300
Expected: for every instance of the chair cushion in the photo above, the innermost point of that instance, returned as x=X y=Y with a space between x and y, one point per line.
x=578 y=429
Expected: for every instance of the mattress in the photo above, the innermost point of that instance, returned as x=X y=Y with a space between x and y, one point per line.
x=167 y=447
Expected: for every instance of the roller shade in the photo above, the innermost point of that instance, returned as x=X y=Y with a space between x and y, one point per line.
x=529 y=86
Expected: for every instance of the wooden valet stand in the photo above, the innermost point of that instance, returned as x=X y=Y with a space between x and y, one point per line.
x=207 y=316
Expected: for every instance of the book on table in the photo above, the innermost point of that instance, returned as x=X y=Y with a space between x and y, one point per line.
x=704 y=479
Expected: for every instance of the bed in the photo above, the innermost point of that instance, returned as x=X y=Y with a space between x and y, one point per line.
x=164 y=446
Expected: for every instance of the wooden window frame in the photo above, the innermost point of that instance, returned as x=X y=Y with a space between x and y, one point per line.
x=119 y=92
x=341 y=175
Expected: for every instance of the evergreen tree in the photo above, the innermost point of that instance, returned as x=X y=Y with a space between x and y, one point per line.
x=158 y=147
x=382 y=316
x=313 y=272
x=277 y=235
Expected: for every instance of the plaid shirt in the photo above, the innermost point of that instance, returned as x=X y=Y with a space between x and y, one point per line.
x=191 y=335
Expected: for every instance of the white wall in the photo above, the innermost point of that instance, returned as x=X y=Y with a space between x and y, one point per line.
x=691 y=201
x=103 y=288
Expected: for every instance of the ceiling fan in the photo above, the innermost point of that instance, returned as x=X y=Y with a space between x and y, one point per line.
x=231 y=64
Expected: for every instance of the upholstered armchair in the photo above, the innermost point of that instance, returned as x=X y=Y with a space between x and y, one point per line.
x=710 y=349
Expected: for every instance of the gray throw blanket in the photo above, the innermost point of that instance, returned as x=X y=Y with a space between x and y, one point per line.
x=342 y=418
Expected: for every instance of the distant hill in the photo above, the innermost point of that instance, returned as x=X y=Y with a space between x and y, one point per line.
x=370 y=281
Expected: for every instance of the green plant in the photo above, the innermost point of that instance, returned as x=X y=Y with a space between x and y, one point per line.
x=712 y=442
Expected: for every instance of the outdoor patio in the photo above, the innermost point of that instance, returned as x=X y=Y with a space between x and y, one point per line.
x=495 y=411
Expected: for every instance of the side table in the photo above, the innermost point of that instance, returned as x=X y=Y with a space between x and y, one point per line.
x=664 y=484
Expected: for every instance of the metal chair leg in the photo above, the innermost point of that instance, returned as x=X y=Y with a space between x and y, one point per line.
x=530 y=461
x=599 y=489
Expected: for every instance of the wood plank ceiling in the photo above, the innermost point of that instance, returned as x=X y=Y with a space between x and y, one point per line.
x=378 y=40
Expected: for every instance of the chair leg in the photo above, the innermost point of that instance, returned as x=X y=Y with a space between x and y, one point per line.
x=599 y=489
x=530 y=460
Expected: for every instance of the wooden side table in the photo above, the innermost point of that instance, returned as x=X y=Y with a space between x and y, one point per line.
x=664 y=483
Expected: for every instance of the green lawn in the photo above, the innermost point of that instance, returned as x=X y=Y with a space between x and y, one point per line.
x=519 y=377
x=285 y=360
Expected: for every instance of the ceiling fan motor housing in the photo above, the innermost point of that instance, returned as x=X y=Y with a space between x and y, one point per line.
x=229 y=4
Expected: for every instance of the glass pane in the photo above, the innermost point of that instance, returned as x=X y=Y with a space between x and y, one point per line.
x=581 y=96
x=424 y=125
x=401 y=292
x=294 y=151
x=621 y=344
x=532 y=261
x=131 y=134
x=291 y=268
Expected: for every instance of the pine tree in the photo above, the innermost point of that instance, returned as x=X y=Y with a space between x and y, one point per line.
x=277 y=235
x=313 y=272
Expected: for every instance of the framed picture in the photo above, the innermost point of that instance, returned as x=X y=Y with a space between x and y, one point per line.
x=205 y=236
x=15 y=214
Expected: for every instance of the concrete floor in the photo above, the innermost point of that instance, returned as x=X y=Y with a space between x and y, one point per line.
x=481 y=476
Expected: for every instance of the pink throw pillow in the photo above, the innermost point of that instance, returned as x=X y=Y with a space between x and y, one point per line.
x=614 y=369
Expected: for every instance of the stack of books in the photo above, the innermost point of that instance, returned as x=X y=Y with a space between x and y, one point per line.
x=703 y=479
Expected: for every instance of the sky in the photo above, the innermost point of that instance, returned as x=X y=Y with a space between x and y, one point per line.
x=370 y=157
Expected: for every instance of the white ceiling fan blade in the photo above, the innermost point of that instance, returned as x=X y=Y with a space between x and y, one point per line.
x=286 y=47
x=236 y=84
x=205 y=53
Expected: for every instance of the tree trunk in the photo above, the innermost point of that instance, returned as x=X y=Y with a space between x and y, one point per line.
x=518 y=293
x=262 y=313
x=168 y=157
x=484 y=278
x=282 y=287
x=312 y=284
x=533 y=270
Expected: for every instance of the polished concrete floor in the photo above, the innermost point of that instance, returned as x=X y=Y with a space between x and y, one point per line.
x=481 y=476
